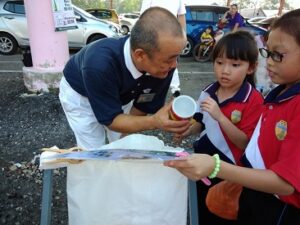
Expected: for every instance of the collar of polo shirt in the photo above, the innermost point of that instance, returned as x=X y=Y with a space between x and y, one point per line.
x=128 y=61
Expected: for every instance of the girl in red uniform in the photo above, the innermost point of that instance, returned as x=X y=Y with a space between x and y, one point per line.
x=271 y=194
x=229 y=109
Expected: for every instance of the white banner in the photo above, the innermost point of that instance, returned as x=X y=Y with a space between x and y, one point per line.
x=63 y=14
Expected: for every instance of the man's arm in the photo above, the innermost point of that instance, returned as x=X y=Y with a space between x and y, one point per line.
x=236 y=26
x=224 y=18
x=138 y=121
x=238 y=22
x=136 y=112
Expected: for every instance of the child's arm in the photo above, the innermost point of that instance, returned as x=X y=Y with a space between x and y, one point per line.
x=202 y=38
x=194 y=129
x=198 y=166
x=235 y=135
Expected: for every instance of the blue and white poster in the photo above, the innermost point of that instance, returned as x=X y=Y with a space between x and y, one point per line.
x=63 y=14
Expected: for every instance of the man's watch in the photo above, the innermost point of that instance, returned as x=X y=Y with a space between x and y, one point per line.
x=176 y=94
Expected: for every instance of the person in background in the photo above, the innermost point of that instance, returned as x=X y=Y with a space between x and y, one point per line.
x=272 y=180
x=177 y=8
x=229 y=109
x=233 y=18
x=206 y=39
x=102 y=80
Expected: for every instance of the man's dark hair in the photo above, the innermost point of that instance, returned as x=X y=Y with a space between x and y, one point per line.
x=154 y=22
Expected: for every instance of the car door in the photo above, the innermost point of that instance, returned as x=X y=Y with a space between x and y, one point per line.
x=200 y=19
x=15 y=19
x=76 y=36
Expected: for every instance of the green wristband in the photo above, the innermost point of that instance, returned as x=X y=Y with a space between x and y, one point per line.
x=217 y=167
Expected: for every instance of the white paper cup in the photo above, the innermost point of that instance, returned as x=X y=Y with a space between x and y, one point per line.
x=183 y=108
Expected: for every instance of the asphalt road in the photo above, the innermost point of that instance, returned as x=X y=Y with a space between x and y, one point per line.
x=30 y=123
x=193 y=75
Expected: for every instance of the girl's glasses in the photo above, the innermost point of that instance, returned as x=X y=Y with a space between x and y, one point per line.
x=276 y=56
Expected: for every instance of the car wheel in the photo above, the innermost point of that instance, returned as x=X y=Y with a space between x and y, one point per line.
x=8 y=44
x=95 y=38
x=204 y=55
x=188 y=50
x=125 y=29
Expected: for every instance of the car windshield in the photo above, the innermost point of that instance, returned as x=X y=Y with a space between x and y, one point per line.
x=83 y=12
x=15 y=7
x=202 y=15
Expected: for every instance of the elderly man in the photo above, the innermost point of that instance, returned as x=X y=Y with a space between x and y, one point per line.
x=177 y=8
x=103 y=80
x=101 y=83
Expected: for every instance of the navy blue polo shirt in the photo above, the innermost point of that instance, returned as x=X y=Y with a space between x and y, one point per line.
x=103 y=72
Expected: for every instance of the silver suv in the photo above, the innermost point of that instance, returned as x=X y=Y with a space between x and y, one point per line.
x=14 y=34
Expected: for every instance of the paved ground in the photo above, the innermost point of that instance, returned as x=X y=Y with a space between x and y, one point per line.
x=193 y=75
x=30 y=123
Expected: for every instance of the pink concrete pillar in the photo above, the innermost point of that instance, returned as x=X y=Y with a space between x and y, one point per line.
x=49 y=49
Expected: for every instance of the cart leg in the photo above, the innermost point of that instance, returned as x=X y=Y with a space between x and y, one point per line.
x=46 y=197
x=193 y=203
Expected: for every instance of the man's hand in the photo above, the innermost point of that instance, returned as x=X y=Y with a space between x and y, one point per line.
x=162 y=121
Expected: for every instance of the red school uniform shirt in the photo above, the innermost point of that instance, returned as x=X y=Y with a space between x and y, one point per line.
x=243 y=110
x=276 y=144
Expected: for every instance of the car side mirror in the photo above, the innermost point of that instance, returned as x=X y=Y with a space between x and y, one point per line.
x=78 y=18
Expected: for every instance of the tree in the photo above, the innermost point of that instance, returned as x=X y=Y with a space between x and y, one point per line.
x=129 y=6
x=275 y=4
x=121 y=6
x=85 y=4
x=244 y=4
x=281 y=4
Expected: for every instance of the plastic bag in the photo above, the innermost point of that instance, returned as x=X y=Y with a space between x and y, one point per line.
x=223 y=199
x=131 y=192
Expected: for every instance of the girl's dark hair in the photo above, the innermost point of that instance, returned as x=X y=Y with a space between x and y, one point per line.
x=289 y=23
x=212 y=32
x=239 y=45
x=210 y=27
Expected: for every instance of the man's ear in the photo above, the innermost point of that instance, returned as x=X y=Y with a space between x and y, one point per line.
x=139 y=55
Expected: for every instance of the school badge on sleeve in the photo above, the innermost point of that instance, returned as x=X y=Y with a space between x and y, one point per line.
x=236 y=116
x=281 y=130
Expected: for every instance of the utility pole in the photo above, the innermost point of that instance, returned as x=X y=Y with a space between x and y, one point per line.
x=281 y=5
x=111 y=4
x=228 y=3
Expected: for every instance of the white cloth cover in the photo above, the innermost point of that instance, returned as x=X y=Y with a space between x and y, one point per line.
x=131 y=192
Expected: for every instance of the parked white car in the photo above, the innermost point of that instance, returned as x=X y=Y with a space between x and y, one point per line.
x=127 y=21
x=14 y=34
x=254 y=20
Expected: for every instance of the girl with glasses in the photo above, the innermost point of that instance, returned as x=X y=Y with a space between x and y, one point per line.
x=229 y=109
x=271 y=193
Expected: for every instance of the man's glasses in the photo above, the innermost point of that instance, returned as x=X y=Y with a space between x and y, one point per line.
x=276 y=56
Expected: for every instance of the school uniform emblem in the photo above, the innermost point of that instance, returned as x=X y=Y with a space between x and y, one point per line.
x=147 y=91
x=236 y=116
x=281 y=130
